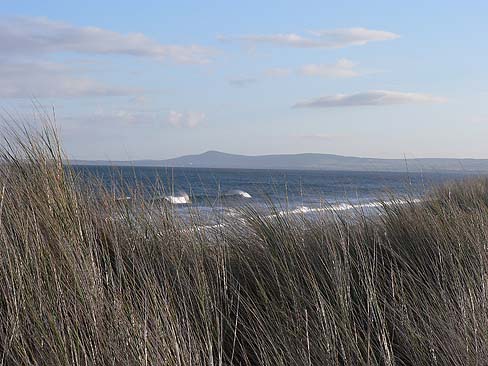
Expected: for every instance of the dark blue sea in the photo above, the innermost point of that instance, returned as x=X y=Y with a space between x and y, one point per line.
x=225 y=190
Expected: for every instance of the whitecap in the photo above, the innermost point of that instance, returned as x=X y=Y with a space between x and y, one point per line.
x=343 y=206
x=300 y=209
x=182 y=198
x=237 y=192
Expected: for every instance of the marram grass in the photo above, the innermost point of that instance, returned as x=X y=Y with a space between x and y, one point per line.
x=89 y=280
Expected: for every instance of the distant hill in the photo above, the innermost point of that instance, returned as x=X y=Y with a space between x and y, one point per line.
x=307 y=161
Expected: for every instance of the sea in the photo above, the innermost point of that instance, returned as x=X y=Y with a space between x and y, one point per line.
x=224 y=192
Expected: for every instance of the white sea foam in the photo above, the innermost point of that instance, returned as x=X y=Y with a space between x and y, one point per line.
x=347 y=206
x=237 y=192
x=182 y=198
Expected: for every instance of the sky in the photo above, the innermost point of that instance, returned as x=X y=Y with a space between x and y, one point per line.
x=158 y=79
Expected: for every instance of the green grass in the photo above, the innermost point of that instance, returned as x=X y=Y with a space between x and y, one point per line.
x=88 y=280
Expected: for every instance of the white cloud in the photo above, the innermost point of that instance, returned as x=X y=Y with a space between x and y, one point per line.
x=291 y=40
x=335 y=38
x=194 y=118
x=341 y=69
x=175 y=118
x=185 y=119
x=27 y=42
x=47 y=79
x=353 y=36
x=372 y=97
x=242 y=82
x=32 y=36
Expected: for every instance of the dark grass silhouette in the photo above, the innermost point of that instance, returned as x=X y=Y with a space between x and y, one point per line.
x=89 y=280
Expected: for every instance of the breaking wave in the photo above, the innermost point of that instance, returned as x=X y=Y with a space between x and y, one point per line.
x=347 y=206
x=180 y=199
x=303 y=210
x=237 y=193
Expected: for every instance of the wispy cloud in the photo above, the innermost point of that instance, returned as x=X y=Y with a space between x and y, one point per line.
x=336 y=38
x=242 y=82
x=138 y=116
x=353 y=36
x=47 y=79
x=118 y=116
x=341 y=69
x=371 y=98
x=30 y=36
x=185 y=119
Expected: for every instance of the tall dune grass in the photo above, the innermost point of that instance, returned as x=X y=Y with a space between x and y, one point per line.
x=89 y=280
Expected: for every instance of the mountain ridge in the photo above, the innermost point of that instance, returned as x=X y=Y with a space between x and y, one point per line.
x=303 y=161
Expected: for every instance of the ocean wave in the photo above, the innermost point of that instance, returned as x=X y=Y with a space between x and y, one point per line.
x=180 y=199
x=237 y=193
x=301 y=210
x=343 y=206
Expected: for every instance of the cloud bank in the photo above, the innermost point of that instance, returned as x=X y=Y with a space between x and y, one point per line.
x=31 y=36
x=371 y=98
x=29 y=44
x=47 y=79
x=336 y=38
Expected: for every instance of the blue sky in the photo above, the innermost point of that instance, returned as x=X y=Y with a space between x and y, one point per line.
x=161 y=79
